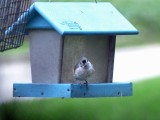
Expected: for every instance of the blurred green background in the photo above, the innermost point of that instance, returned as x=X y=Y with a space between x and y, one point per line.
x=143 y=105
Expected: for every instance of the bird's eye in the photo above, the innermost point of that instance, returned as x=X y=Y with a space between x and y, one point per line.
x=84 y=61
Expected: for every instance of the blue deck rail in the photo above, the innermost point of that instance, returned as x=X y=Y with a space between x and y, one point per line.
x=72 y=90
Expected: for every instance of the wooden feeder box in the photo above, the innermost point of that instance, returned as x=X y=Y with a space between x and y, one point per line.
x=60 y=34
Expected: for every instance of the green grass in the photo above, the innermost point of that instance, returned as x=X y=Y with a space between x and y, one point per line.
x=143 y=105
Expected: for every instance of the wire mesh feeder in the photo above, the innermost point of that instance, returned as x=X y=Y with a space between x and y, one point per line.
x=12 y=25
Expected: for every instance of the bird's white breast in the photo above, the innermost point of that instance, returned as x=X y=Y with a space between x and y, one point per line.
x=82 y=73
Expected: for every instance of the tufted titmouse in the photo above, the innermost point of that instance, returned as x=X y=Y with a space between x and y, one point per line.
x=83 y=70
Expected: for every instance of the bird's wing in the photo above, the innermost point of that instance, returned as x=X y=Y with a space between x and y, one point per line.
x=76 y=66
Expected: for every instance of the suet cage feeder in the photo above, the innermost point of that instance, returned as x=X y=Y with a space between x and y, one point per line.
x=12 y=32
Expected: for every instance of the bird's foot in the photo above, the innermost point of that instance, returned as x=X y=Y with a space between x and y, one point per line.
x=86 y=84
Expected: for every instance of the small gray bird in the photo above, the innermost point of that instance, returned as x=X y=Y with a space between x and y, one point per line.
x=83 y=70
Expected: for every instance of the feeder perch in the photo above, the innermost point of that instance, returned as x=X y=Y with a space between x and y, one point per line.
x=60 y=34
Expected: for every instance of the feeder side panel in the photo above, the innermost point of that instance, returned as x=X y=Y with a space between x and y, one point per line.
x=45 y=55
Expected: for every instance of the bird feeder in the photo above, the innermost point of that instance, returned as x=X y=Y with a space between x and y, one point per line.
x=60 y=33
